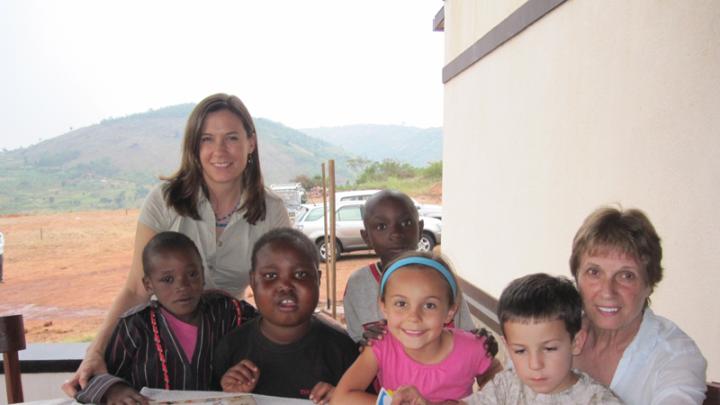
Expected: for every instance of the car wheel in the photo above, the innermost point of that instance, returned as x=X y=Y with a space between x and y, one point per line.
x=427 y=242
x=322 y=250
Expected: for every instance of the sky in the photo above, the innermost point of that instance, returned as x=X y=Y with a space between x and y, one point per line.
x=70 y=64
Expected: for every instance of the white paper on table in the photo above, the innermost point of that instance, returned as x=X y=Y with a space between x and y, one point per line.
x=177 y=396
x=158 y=396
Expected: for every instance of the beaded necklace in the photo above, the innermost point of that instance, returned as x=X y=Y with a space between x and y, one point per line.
x=159 y=346
x=223 y=221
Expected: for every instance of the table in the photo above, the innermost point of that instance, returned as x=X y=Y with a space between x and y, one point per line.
x=158 y=394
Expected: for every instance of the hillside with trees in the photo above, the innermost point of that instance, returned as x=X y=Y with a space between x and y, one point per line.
x=116 y=162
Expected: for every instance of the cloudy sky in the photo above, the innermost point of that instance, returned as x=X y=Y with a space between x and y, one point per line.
x=69 y=64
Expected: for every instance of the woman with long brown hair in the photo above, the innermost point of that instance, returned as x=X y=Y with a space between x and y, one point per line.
x=216 y=197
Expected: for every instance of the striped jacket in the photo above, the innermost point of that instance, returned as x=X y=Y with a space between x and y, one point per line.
x=132 y=356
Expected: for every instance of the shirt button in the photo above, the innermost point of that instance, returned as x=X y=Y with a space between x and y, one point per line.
x=220 y=244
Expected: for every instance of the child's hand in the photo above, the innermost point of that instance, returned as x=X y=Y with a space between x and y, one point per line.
x=321 y=393
x=495 y=367
x=241 y=377
x=491 y=345
x=121 y=394
x=373 y=331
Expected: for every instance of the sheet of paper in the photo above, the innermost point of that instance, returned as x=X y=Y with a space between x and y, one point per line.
x=165 y=397
x=196 y=397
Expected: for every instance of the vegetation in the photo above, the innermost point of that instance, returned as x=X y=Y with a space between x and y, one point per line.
x=115 y=163
x=400 y=176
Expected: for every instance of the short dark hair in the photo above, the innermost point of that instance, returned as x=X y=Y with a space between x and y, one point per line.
x=629 y=231
x=541 y=297
x=291 y=236
x=370 y=204
x=168 y=241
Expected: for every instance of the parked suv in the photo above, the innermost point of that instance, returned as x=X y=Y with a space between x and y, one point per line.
x=348 y=224
x=425 y=210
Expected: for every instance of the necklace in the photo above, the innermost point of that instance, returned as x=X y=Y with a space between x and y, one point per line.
x=222 y=222
x=161 y=350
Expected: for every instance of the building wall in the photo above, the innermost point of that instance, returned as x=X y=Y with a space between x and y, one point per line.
x=598 y=102
x=472 y=19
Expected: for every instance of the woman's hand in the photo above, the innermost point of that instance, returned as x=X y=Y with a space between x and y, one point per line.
x=92 y=364
x=121 y=394
x=242 y=377
x=321 y=393
x=132 y=294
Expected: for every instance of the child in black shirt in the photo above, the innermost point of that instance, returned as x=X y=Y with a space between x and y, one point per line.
x=286 y=351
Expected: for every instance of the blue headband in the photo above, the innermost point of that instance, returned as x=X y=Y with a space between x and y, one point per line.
x=424 y=261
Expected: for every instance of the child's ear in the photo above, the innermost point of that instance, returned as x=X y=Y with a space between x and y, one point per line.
x=147 y=284
x=253 y=283
x=451 y=313
x=319 y=277
x=364 y=235
x=381 y=305
x=421 y=226
x=579 y=342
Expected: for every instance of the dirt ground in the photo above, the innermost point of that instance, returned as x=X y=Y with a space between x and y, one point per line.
x=62 y=271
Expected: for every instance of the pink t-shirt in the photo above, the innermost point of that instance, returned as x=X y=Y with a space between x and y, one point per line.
x=450 y=379
x=185 y=333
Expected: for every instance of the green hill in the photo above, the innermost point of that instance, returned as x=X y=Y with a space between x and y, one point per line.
x=115 y=163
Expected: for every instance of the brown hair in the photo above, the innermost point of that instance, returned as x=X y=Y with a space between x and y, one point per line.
x=629 y=231
x=180 y=191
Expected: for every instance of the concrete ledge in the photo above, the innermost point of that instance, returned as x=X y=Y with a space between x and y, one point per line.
x=51 y=357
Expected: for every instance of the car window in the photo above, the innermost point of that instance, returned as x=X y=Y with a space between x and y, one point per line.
x=349 y=214
x=314 y=214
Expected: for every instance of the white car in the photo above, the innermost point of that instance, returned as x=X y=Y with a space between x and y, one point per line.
x=348 y=224
x=425 y=210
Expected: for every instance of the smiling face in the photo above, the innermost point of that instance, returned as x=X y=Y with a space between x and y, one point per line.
x=416 y=305
x=613 y=289
x=391 y=227
x=224 y=147
x=542 y=353
x=285 y=283
x=176 y=279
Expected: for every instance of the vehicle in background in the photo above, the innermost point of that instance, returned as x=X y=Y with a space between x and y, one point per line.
x=292 y=194
x=425 y=210
x=348 y=224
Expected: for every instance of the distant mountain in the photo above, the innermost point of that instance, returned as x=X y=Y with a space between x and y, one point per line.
x=115 y=163
x=149 y=143
x=416 y=146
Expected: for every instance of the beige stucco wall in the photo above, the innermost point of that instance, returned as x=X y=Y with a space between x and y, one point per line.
x=472 y=19
x=599 y=102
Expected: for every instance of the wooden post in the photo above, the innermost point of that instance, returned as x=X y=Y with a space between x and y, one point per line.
x=325 y=218
x=332 y=244
x=12 y=339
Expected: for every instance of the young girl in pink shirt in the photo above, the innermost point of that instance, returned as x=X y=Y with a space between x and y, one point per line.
x=418 y=295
